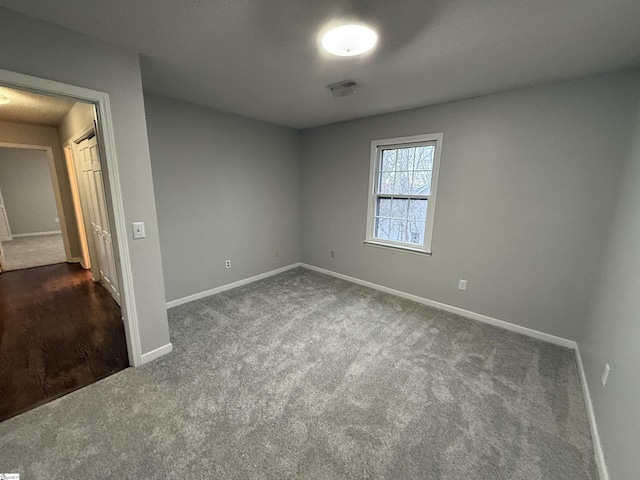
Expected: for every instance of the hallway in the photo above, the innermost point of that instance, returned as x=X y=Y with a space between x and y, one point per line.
x=36 y=251
x=59 y=331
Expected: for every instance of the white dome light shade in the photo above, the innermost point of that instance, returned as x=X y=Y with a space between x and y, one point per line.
x=349 y=40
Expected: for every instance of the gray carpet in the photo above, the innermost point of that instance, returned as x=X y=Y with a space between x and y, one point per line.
x=305 y=376
x=28 y=252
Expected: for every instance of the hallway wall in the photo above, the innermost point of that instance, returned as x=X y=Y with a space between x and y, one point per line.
x=25 y=183
x=48 y=136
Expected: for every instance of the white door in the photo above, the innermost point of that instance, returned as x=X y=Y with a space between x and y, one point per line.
x=100 y=228
x=5 y=231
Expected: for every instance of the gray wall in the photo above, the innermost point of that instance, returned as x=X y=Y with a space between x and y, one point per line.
x=48 y=136
x=25 y=182
x=76 y=121
x=226 y=188
x=611 y=333
x=527 y=184
x=44 y=50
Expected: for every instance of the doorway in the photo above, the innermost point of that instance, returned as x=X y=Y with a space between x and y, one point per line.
x=61 y=325
x=29 y=209
x=105 y=128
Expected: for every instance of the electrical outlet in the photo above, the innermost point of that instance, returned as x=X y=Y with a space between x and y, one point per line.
x=277 y=253
x=57 y=220
x=227 y=264
x=605 y=374
x=462 y=285
x=333 y=254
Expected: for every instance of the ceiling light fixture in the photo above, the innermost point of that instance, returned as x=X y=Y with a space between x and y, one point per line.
x=4 y=99
x=349 y=40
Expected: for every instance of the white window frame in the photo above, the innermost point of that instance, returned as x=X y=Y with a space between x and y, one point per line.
x=374 y=173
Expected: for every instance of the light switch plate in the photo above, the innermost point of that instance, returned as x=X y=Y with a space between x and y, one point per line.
x=138 y=230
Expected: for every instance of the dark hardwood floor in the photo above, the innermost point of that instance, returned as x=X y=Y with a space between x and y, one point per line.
x=59 y=331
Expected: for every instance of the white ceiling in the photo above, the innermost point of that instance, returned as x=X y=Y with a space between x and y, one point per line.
x=260 y=58
x=32 y=108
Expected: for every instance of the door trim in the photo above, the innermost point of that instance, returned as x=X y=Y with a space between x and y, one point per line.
x=5 y=219
x=69 y=161
x=105 y=126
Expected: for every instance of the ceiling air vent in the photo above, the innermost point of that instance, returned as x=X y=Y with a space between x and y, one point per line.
x=344 y=88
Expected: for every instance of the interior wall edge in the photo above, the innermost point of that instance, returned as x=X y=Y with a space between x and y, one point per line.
x=591 y=415
x=229 y=286
x=529 y=332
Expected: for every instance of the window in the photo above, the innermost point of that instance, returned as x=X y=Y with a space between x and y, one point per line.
x=402 y=193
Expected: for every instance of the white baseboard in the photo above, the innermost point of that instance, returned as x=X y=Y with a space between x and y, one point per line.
x=450 y=308
x=156 y=353
x=597 y=446
x=35 y=234
x=80 y=261
x=229 y=286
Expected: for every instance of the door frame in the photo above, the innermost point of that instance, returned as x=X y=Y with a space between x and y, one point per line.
x=6 y=219
x=92 y=247
x=69 y=161
x=113 y=190
x=56 y=189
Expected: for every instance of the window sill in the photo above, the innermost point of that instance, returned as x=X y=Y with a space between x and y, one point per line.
x=390 y=246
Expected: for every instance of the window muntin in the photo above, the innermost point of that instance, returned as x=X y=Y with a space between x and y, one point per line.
x=402 y=195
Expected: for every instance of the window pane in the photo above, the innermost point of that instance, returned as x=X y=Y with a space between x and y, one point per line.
x=416 y=232
x=388 y=160
x=413 y=182
x=412 y=159
x=424 y=157
x=418 y=210
x=384 y=207
x=422 y=182
x=382 y=228
x=387 y=181
x=406 y=171
x=403 y=183
x=398 y=230
x=399 y=208
x=404 y=156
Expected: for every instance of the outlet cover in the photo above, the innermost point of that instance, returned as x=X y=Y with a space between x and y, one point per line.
x=462 y=285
